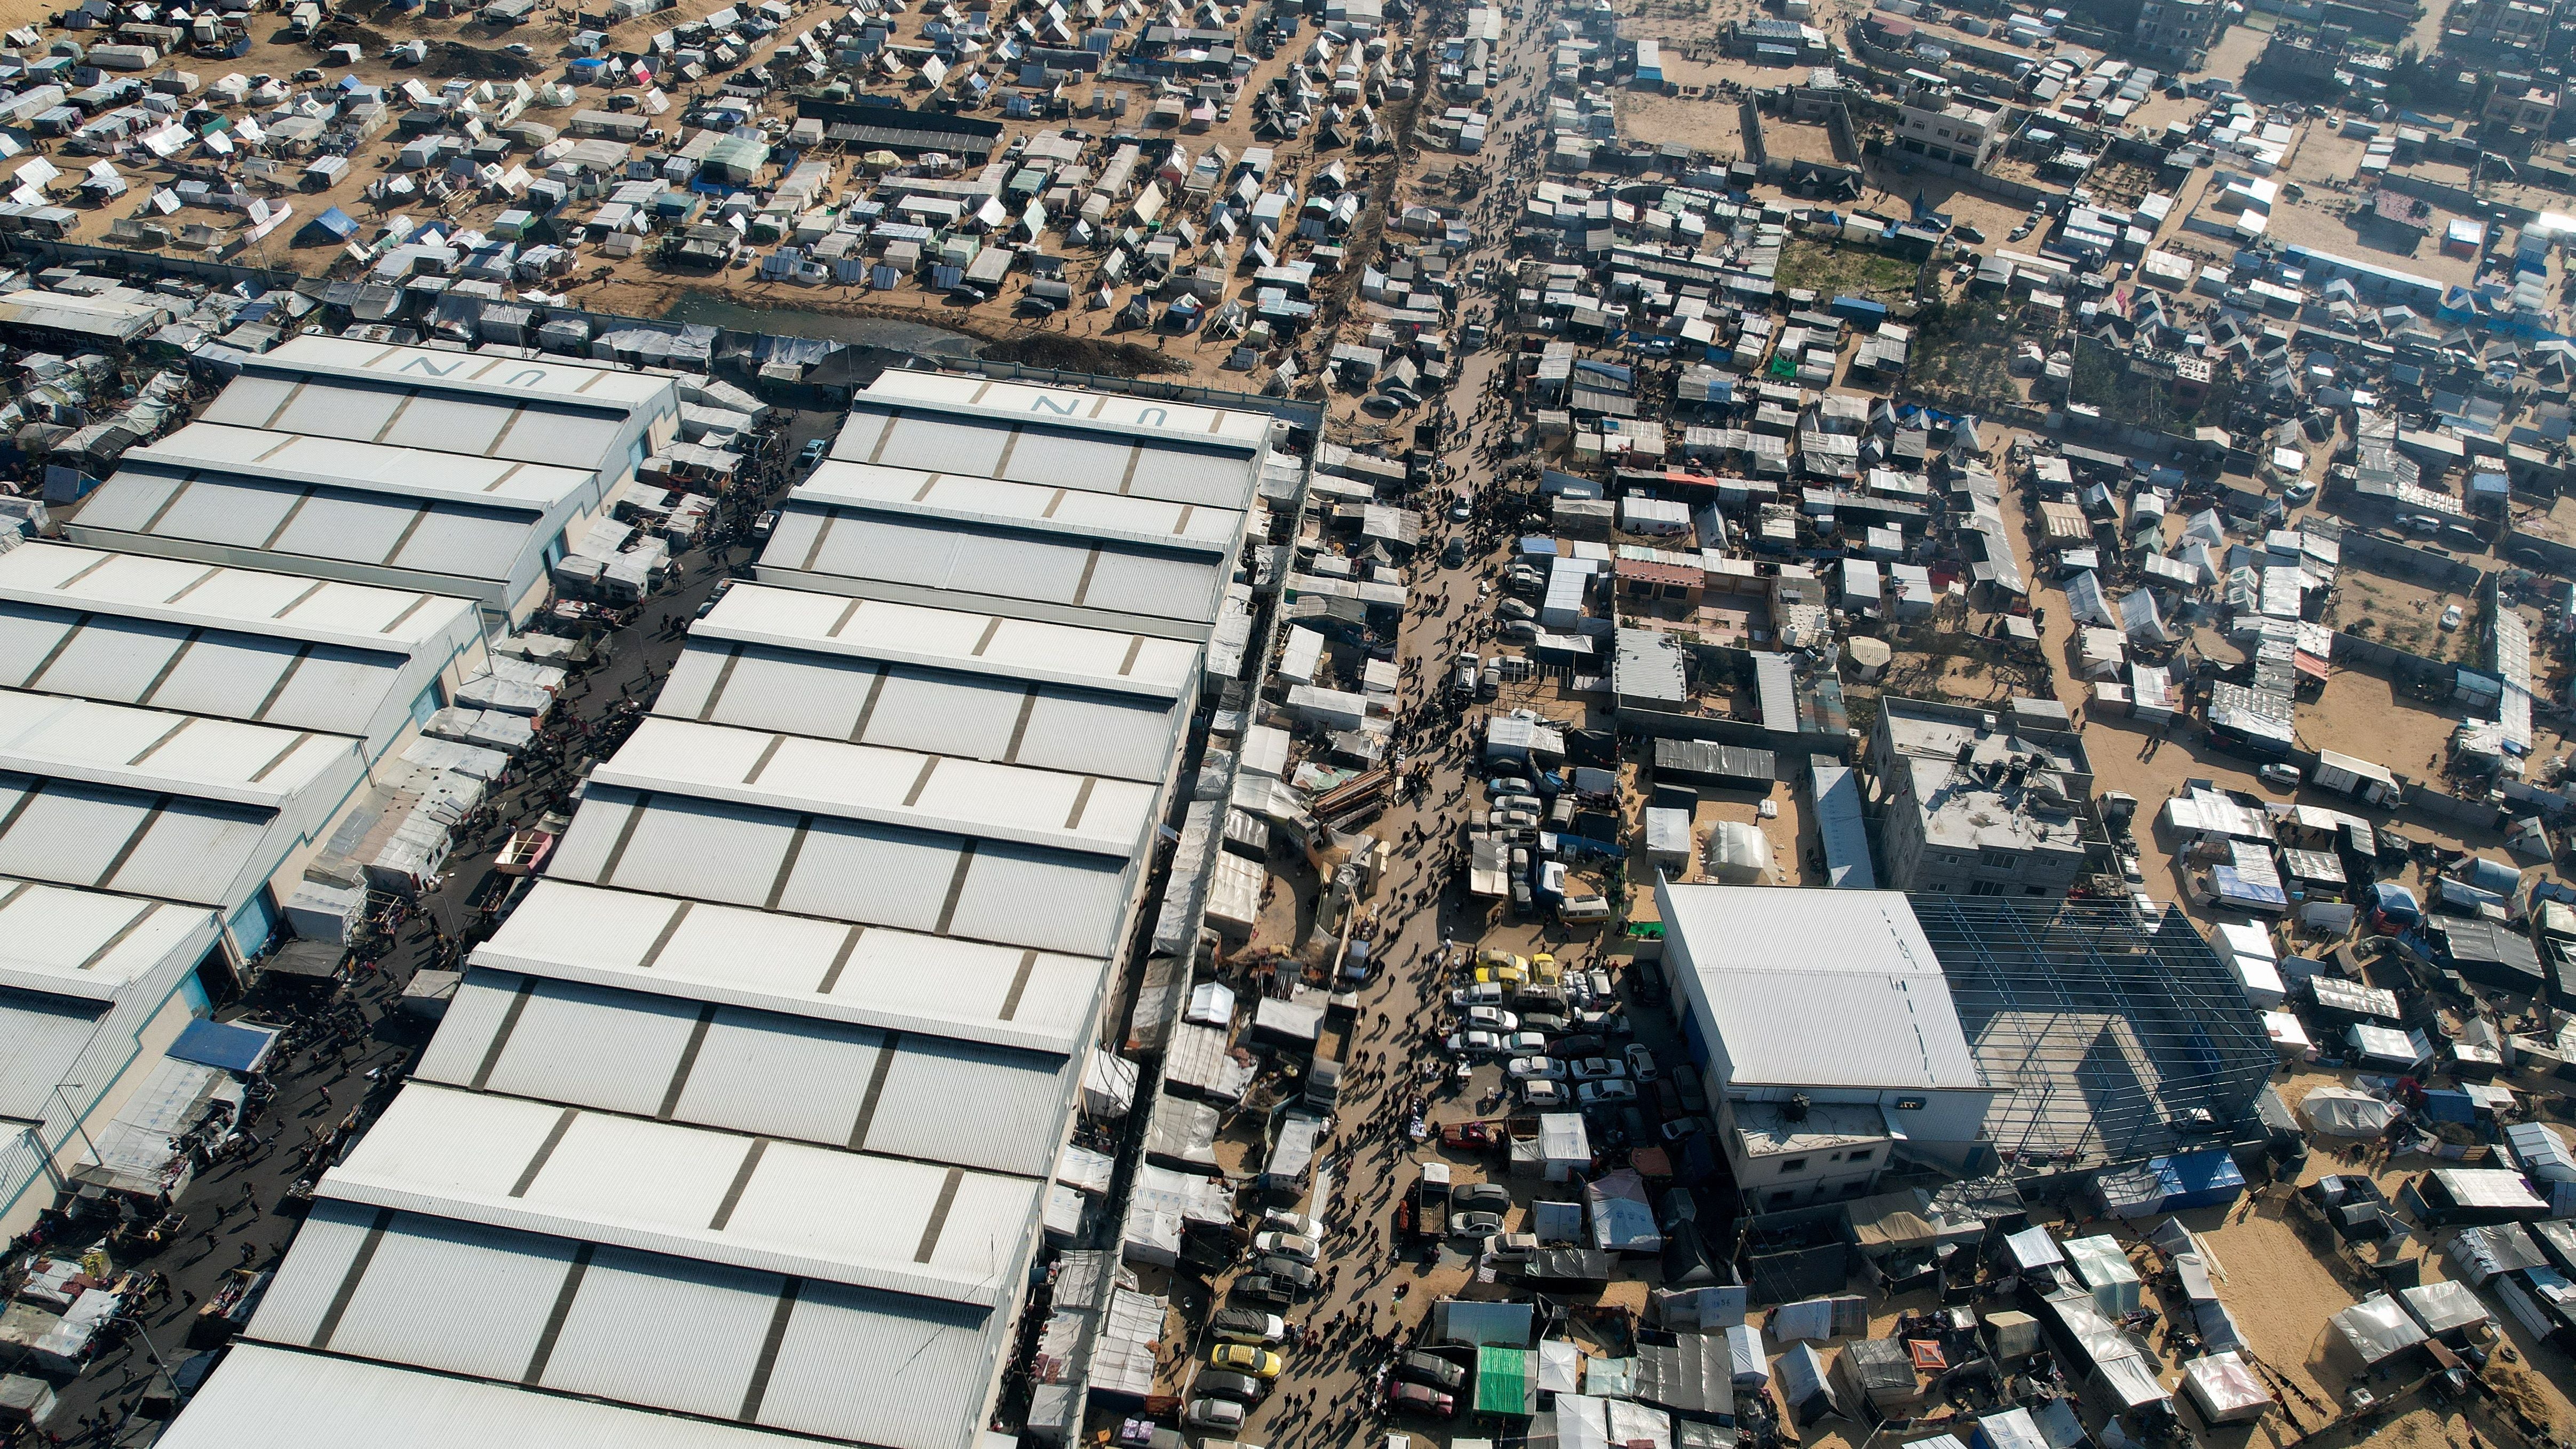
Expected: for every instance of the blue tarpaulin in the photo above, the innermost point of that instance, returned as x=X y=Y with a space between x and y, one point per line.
x=2235 y=890
x=2395 y=902
x=335 y=223
x=2207 y=1178
x=220 y=1044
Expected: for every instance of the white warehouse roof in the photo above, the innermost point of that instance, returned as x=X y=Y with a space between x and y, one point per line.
x=59 y=941
x=1034 y=502
x=230 y=643
x=342 y=1401
x=483 y=405
x=828 y=970
x=860 y=1089
x=1812 y=988
x=150 y=803
x=656 y=1330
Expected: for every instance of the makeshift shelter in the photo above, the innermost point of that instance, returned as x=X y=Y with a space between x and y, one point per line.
x=1694 y=1374
x=1560 y=1367
x=1750 y=1365
x=2030 y=1248
x=2224 y=1389
x=1623 y=1221
x=2376 y=1330
x=2481 y=1253
x=2445 y=1310
x=1803 y=1389
x=2007 y=1429
x=1876 y=1377
x=2103 y=1266
x=2343 y=1112
x=2449 y=1196
x=1506 y=1381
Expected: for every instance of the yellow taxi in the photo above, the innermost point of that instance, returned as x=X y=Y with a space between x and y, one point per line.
x=1243 y=1358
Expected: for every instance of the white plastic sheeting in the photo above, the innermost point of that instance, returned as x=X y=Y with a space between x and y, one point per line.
x=2444 y=1308
x=2342 y=1112
x=2377 y=1329
x=1737 y=853
x=2225 y=1390
x=1623 y=1221
x=1744 y=1350
x=1560 y=1366
x=2104 y=1266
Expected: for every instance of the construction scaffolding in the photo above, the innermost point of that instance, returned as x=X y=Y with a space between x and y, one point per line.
x=2111 y=1038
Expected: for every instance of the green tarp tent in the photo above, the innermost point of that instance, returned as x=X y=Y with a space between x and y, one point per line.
x=1506 y=1381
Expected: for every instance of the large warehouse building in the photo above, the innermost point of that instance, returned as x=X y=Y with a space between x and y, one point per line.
x=403 y=467
x=746 y=1123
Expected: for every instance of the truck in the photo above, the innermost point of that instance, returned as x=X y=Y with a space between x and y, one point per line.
x=1324 y=1074
x=1431 y=1203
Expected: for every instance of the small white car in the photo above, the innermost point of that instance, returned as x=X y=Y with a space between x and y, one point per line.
x=1473 y=1043
x=2284 y=777
x=1535 y=1069
x=2452 y=616
x=1599 y=1069
x=1641 y=1063
x=1298 y=1223
x=1492 y=1018
x=1296 y=1247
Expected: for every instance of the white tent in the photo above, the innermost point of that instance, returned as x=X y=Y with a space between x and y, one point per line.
x=2225 y=1390
x=2377 y=1329
x=2343 y=1112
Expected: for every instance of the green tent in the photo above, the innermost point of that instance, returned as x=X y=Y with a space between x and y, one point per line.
x=1506 y=1381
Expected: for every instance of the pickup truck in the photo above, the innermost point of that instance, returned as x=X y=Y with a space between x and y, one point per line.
x=1324 y=1075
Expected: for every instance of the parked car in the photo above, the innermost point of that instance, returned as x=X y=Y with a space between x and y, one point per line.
x=1455 y=555
x=1542 y=1092
x=1296 y=1246
x=1244 y=1358
x=1300 y=1276
x=1473 y=1043
x=1213 y=1414
x=1420 y=1400
x=1511 y=1247
x=1681 y=1127
x=1262 y=1288
x=813 y=453
x=1492 y=1018
x=1512 y=800
x=1514 y=609
x=1525 y=1044
x=2452 y=616
x=1641 y=1063
x=1534 y=1069
x=1241 y=1388
x=1475 y=1225
x=1482 y=993
x=1519 y=631
x=1430 y=1368
x=2280 y=776
x=1490 y=1197
x=1969 y=234
x=1298 y=1223
x=2299 y=492
x=1597 y=1069
x=1605 y=1094
x=1577 y=1046
x=1246 y=1325
x=1546 y=1022
x=1515 y=820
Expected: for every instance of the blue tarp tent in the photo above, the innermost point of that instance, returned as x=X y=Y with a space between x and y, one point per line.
x=2208 y=1178
x=241 y=1049
x=2253 y=895
x=332 y=225
x=2396 y=902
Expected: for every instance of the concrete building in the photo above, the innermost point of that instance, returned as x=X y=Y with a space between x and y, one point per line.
x=2177 y=34
x=446 y=472
x=1975 y=802
x=1961 y=129
x=782 y=1056
x=2519 y=25
x=2527 y=101
x=1825 y=1030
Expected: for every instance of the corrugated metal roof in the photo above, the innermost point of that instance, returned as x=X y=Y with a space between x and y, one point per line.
x=998 y=1109
x=197 y=595
x=1218 y=473
x=156 y=750
x=864 y=975
x=365 y=466
x=971 y=716
x=276 y=1398
x=992 y=562
x=299 y=521
x=1054 y=809
x=91 y=945
x=639 y=1328
x=1017 y=401
x=134 y=841
x=1820 y=988
x=965 y=641
x=779 y=859
x=1093 y=510
x=720 y=1197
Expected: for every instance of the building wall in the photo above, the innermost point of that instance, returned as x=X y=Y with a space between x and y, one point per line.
x=132 y=1038
x=1966 y=141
